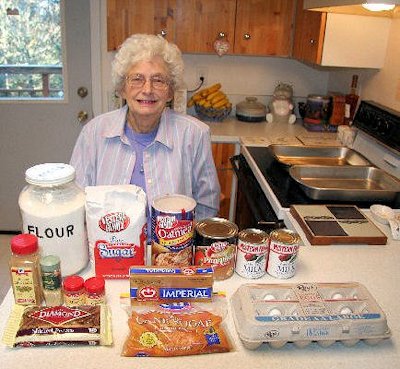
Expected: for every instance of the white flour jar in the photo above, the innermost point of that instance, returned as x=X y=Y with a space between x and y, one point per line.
x=53 y=209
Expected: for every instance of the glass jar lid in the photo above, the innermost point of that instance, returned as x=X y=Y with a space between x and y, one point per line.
x=50 y=174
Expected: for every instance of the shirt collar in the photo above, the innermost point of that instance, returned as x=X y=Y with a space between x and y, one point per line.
x=117 y=128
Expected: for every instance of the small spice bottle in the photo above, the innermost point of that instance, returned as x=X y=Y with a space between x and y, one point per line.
x=74 y=291
x=95 y=291
x=51 y=280
x=25 y=270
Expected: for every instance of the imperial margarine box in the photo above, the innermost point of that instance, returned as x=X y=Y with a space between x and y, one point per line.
x=157 y=285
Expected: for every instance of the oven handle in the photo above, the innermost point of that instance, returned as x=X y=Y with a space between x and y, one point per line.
x=252 y=204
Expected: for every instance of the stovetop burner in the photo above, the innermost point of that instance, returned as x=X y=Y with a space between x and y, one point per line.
x=287 y=191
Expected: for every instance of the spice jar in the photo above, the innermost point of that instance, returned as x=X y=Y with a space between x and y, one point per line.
x=51 y=280
x=25 y=270
x=53 y=209
x=95 y=291
x=74 y=291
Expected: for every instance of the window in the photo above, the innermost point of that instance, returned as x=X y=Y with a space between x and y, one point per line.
x=31 y=50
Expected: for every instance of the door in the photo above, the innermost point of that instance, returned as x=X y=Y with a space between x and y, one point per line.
x=37 y=132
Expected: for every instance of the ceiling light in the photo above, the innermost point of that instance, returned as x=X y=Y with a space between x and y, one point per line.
x=377 y=7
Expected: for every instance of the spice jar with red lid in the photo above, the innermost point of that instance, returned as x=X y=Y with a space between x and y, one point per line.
x=25 y=269
x=95 y=291
x=74 y=290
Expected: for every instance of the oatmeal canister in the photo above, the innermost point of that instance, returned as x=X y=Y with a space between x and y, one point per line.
x=172 y=230
x=216 y=246
x=283 y=249
x=252 y=253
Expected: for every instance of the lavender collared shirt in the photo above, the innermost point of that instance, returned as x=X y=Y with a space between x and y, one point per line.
x=179 y=160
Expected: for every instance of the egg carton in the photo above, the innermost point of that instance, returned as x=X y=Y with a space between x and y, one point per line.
x=307 y=312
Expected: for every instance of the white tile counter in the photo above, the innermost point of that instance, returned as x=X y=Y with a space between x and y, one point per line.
x=232 y=130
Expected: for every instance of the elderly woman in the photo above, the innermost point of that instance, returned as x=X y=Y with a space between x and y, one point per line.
x=145 y=143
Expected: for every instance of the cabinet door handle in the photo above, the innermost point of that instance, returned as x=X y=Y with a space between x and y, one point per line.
x=163 y=33
x=312 y=41
x=246 y=36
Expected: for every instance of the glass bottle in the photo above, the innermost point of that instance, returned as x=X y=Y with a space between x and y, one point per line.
x=25 y=270
x=95 y=291
x=74 y=291
x=51 y=280
x=351 y=101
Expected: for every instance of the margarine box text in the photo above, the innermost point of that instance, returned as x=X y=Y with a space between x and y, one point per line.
x=165 y=285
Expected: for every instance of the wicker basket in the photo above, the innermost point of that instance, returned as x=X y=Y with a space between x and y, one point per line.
x=211 y=114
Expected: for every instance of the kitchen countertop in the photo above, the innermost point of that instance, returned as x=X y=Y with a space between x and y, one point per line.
x=377 y=267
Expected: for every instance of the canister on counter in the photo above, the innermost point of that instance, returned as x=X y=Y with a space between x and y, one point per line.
x=252 y=253
x=172 y=230
x=283 y=249
x=215 y=245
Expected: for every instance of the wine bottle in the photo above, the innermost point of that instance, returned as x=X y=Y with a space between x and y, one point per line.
x=351 y=101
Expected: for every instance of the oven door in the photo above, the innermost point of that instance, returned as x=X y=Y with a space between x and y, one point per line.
x=253 y=210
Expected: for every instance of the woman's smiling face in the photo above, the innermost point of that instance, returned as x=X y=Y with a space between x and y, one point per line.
x=147 y=90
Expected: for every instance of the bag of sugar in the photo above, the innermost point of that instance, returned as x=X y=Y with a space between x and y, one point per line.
x=116 y=226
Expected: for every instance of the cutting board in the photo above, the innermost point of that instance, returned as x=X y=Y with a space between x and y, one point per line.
x=336 y=224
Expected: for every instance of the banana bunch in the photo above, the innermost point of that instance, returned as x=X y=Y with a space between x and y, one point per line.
x=210 y=97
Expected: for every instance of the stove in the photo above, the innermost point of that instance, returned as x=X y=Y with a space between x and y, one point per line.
x=378 y=139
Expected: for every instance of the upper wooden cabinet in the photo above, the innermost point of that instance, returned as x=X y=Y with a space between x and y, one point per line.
x=252 y=27
x=264 y=27
x=200 y=22
x=126 y=17
x=340 y=40
x=309 y=34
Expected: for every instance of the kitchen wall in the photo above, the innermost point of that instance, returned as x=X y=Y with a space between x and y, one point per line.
x=382 y=86
x=242 y=76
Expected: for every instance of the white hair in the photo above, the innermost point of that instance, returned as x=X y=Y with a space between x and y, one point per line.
x=141 y=47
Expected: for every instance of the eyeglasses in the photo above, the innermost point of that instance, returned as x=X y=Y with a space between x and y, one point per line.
x=158 y=82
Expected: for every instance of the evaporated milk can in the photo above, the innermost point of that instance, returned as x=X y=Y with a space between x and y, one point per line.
x=283 y=249
x=252 y=253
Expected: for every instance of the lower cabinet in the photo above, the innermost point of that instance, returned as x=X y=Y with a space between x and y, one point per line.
x=221 y=153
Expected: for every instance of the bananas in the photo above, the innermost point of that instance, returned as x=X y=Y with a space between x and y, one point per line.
x=210 y=97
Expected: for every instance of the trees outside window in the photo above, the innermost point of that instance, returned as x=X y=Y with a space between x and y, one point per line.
x=31 y=49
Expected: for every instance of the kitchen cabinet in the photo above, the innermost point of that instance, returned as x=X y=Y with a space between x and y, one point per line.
x=264 y=27
x=251 y=27
x=221 y=154
x=340 y=40
x=200 y=22
x=126 y=17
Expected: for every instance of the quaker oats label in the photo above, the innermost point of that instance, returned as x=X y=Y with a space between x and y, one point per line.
x=172 y=230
